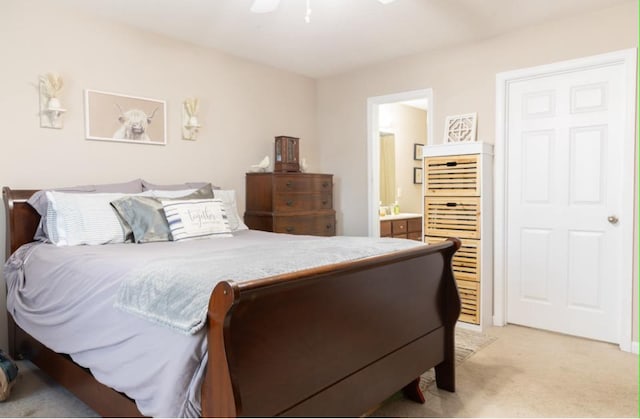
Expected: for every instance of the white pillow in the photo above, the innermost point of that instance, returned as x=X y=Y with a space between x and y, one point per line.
x=80 y=218
x=192 y=218
x=228 y=198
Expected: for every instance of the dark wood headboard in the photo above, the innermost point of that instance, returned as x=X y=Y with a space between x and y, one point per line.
x=21 y=219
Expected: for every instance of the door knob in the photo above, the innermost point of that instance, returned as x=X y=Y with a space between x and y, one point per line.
x=612 y=219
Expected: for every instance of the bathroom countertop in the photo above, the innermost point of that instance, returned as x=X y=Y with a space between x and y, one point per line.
x=401 y=216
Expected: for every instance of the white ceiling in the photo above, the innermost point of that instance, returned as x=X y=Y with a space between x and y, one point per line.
x=342 y=35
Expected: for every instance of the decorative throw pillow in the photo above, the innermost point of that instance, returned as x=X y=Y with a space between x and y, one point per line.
x=79 y=218
x=190 y=219
x=145 y=217
x=228 y=198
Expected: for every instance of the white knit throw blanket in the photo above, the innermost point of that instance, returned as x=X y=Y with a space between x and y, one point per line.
x=175 y=292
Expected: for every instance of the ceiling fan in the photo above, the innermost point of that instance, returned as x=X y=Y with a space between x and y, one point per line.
x=266 y=6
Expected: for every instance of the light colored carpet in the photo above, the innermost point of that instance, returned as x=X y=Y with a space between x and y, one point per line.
x=467 y=343
x=528 y=373
x=36 y=395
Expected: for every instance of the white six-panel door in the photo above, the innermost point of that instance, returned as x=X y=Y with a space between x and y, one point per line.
x=564 y=199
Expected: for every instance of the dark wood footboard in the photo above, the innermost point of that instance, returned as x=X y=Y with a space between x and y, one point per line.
x=331 y=341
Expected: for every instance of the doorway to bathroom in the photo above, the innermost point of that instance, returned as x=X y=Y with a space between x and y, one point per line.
x=399 y=126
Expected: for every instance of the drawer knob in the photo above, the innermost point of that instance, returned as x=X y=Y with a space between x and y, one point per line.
x=289 y=229
x=452 y=204
x=289 y=184
x=324 y=202
x=329 y=226
x=325 y=184
x=452 y=163
x=289 y=203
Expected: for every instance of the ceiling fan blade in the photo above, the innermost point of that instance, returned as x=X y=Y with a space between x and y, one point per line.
x=386 y=1
x=264 y=6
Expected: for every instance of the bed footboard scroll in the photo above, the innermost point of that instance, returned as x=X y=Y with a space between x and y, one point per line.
x=307 y=343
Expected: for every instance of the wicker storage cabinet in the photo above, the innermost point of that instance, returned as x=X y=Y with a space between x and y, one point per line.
x=458 y=203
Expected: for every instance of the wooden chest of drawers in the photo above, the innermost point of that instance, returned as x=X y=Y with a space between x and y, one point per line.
x=293 y=203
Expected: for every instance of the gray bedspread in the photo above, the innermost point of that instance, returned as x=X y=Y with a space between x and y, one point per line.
x=164 y=291
x=65 y=297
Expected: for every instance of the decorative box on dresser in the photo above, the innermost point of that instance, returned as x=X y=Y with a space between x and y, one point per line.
x=293 y=203
x=458 y=202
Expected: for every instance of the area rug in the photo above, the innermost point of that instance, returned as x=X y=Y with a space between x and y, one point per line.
x=467 y=343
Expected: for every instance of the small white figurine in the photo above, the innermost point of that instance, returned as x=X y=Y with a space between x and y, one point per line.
x=303 y=165
x=262 y=166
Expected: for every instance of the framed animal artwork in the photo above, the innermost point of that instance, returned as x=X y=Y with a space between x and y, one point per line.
x=126 y=119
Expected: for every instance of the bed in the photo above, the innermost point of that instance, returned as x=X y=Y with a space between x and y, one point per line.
x=391 y=317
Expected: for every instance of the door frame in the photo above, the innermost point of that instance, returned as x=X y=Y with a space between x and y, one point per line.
x=627 y=58
x=373 y=146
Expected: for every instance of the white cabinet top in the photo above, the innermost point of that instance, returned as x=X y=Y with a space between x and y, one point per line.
x=401 y=216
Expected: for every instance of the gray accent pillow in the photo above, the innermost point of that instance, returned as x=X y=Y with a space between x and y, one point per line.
x=188 y=185
x=40 y=203
x=145 y=217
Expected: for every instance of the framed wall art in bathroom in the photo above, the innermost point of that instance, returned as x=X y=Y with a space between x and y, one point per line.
x=417 y=175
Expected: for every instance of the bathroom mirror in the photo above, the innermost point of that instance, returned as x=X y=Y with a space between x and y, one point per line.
x=387 y=169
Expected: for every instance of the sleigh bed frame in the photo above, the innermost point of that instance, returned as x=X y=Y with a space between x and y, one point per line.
x=341 y=338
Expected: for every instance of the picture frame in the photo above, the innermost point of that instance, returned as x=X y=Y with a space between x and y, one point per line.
x=417 y=151
x=461 y=128
x=125 y=119
x=417 y=175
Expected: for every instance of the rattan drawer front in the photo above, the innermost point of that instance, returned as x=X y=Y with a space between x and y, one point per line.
x=452 y=176
x=466 y=261
x=469 y=297
x=452 y=217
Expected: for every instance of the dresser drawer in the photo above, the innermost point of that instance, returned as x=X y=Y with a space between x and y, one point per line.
x=318 y=225
x=399 y=227
x=452 y=175
x=290 y=202
x=470 y=301
x=385 y=228
x=466 y=261
x=415 y=236
x=452 y=217
x=414 y=225
x=301 y=183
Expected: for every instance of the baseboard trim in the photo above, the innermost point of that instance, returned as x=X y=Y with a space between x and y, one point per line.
x=634 y=347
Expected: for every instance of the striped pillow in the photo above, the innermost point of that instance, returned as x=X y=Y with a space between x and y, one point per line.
x=80 y=218
x=192 y=218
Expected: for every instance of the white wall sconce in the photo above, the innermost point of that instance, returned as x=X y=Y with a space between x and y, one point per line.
x=51 y=110
x=190 y=124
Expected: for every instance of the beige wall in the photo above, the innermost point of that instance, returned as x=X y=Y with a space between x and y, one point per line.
x=463 y=80
x=243 y=105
